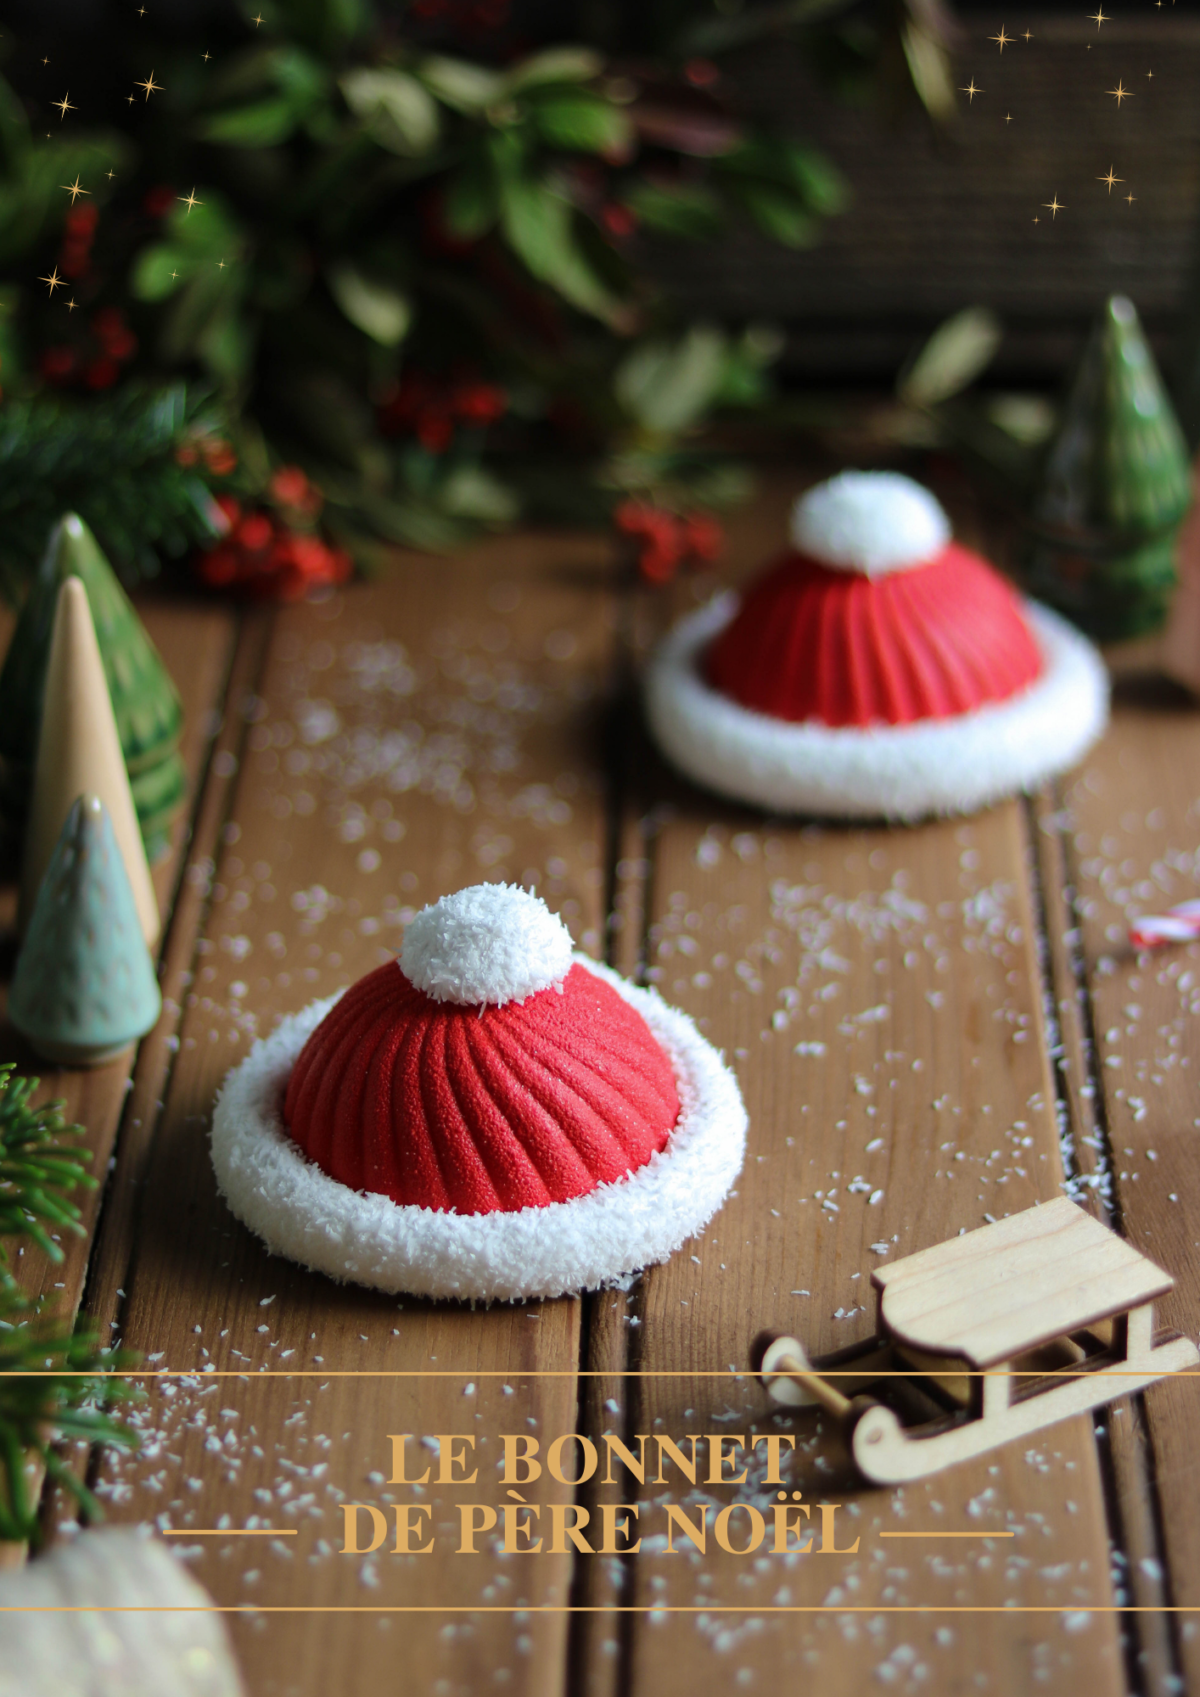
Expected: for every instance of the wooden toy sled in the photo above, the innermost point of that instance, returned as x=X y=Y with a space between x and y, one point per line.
x=994 y=1335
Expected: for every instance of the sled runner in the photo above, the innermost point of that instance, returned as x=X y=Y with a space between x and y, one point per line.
x=991 y=1336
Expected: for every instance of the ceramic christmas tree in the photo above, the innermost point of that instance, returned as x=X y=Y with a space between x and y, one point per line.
x=147 y=709
x=84 y=986
x=490 y=1116
x=877 y=668
x=1115 y=485
x=1180 y=655
x=78 y=753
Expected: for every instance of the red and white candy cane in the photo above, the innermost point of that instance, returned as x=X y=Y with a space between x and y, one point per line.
x=1178 y=925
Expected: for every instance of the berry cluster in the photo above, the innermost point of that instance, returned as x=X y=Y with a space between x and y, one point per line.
x=666 y=540
x=95 y=361
x=430 y=408
x=263 y=557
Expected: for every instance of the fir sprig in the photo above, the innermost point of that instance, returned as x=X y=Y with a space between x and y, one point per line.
x=38 y=1169
x=112 y=461
x=55 y=1380
x=43 y=1399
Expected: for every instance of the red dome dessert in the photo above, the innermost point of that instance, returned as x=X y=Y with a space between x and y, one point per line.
x=879 y=669
x=491 y=1115
x=451 y=1107
x=815 y=642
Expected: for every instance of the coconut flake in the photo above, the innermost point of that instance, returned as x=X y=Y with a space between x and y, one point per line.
x=490 y=943
x=870 y=521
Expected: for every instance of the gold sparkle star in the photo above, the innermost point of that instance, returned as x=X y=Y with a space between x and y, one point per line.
x=141 y=11
x=45 y=61
x=206 y=57
x=189 y=200
x=73 y=189
x=1008 y=117
x=111 y=175
x=1054 y=207
x=54 y=280
x=1028 y=36
x=1098 y=17
x=971 y=91
x=220 y=265
x=1110 y=179
x=256 y=21
x=71 y=304
x=174 y=274
x=63 y=106
x=1149 y=73
x=1119 y=93
x=1001 y=40
x=1130 y=198
x=1036 y=219
x=150 y=86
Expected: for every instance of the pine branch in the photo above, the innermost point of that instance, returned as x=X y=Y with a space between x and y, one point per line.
x=114 y=462
x=55 y=1380
x=44 y=1399
x=37 y=1169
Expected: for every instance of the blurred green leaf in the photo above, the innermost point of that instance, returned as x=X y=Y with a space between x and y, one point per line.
x=399 y=111
x=929 y=67
x=667 y=387
x=376 y=308
x=472 y=201
x=537 y=224
x=952 y=358
x=581 y=120
x=467 y=88
x=265 y=123
x=471 y=492
x=687 y=210
x=778 y=213
x=554 y=64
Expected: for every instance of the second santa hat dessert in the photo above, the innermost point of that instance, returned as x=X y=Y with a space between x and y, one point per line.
x=879 y=669
x=490 y=1116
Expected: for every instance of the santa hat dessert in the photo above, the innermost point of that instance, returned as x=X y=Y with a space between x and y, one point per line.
x=490 y=1116
x=878 y=669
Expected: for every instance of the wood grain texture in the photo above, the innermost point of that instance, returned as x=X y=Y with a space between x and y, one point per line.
x=406 y=739
x=1128 y=828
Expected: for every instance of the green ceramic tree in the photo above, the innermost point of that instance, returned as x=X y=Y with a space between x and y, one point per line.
x=147 y=709
x=84 y=986
x=1114 y=488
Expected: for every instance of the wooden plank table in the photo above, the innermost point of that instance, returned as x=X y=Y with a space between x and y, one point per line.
x=932 y=1027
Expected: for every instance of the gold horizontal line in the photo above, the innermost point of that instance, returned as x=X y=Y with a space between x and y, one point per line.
x=947 y=1534
x=561 y=1373
x=713 y=1608
x=230 y=1532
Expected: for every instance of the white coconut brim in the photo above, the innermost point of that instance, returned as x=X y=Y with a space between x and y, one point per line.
x=885 y=771
x=365 y=1238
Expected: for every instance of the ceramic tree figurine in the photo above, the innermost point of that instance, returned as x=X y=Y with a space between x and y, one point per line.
x=1115 y=486
x=147 y=709
x=78 y=752
x=84 y=986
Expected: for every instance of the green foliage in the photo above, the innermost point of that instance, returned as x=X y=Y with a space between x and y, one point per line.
x=114 y=462
x=38 y=1169
x=354 y=199
x=52 y=1377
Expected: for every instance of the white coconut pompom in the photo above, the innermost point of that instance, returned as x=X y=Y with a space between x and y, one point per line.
x=872 y=522
x=490 y=943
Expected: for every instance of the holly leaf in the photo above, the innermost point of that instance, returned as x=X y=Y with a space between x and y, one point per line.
x=397 y=110
x=667 y=387
x=686 y=209
x=537 y=223
x=376 y=308
x=554 y=65
x=465 y=87
x=581 y=120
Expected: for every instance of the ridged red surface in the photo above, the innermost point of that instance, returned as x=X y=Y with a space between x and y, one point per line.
x=813 y=643
x=446 y=1107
